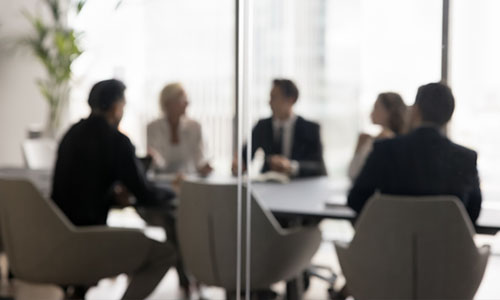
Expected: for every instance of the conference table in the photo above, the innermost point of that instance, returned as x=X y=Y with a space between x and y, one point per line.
x=319 y=197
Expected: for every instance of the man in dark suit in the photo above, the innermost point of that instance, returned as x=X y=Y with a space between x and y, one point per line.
x=292 y=145
x=96 y=167
x=95 y=162
x=423 y=162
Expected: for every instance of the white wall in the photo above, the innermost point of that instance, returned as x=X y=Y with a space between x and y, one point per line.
x=20 y=102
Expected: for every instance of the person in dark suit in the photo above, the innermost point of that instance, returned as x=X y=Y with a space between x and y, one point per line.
x=96 y=163
x=423 y=162
x=292 y=144
x=96 y=168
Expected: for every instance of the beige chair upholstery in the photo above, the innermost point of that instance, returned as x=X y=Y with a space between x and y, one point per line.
x=44 y=247
x=207 y=227
x=413 y=248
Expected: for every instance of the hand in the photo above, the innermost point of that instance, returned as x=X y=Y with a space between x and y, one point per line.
x=280 y=164
x=158 y=160
x=121 y=195
x=177 y=182
x=234 y=167
x=386 y=134
x=205 y=170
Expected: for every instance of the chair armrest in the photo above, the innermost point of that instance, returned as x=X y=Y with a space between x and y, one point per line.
x=342 y=245
x=105 y=229
x=291 y=253
x=484 y=250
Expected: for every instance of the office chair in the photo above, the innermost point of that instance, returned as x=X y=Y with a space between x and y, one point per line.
x=207 y=226
x=43 y=246
x=413 y=248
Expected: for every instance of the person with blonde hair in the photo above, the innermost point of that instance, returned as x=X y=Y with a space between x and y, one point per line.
x=175 y=141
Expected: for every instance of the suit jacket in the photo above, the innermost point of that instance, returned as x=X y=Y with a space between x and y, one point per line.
x=92 y=157
x=307 y=149
x=423 y=162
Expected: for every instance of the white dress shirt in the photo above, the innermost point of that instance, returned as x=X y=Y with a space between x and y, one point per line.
x=288 y=126
x=186 y=156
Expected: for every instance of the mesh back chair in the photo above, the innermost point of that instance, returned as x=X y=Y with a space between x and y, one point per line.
x=413 y=248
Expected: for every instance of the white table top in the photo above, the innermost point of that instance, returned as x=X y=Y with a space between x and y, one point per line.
x=318 y=197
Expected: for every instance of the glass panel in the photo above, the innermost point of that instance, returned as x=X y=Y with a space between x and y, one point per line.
x=148 y=44
x=341 y=54
x=474 y=73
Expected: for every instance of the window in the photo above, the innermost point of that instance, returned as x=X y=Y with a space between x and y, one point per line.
x=341 y=54
x=150 y=43
x=474 y=73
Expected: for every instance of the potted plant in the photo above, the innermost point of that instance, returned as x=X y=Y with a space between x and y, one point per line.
x=56 y=45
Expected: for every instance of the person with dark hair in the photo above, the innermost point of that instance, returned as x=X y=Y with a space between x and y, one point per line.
x=96 y=167
x=423 y=162
x=389 y=111
x=292 y=144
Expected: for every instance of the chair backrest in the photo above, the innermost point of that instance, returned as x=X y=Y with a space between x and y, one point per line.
x=207 y=230
x=40 y=153
x=413 y=248
x=30 y=225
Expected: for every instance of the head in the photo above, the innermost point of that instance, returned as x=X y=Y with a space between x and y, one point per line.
x=173 y=101
x=434 y=105
x=107 y=98
x=389 y=112
x=284 y=94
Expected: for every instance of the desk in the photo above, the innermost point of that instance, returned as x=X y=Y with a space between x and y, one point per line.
x=313 y=197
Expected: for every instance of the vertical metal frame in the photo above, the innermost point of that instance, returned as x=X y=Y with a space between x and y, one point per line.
x=239 y=139
x=243 y=71
x=445 y=41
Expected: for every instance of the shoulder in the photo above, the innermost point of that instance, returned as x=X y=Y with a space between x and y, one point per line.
x=463 y=153
x=158 y=123
x=121 y=138
x=388 y=145
x=192 y=124
x=309 y=125
x=263 y=123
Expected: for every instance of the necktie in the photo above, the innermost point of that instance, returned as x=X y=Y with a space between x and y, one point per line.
x=278 y=141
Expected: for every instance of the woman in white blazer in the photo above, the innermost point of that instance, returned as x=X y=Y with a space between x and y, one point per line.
x=174 y=141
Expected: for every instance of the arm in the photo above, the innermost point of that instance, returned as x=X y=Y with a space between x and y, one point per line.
x=363 y=148
x=198 y=155
x=131 y=174
x=200 y=162
x=473 y=206
x=367 y=182
x=314 y=164
x=256 y=132
x=153 y=147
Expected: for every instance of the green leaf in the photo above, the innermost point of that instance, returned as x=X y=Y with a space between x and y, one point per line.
x=54 y=9
x=80 y=5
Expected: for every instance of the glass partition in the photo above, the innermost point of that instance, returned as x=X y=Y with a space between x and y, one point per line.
x=474 y=73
